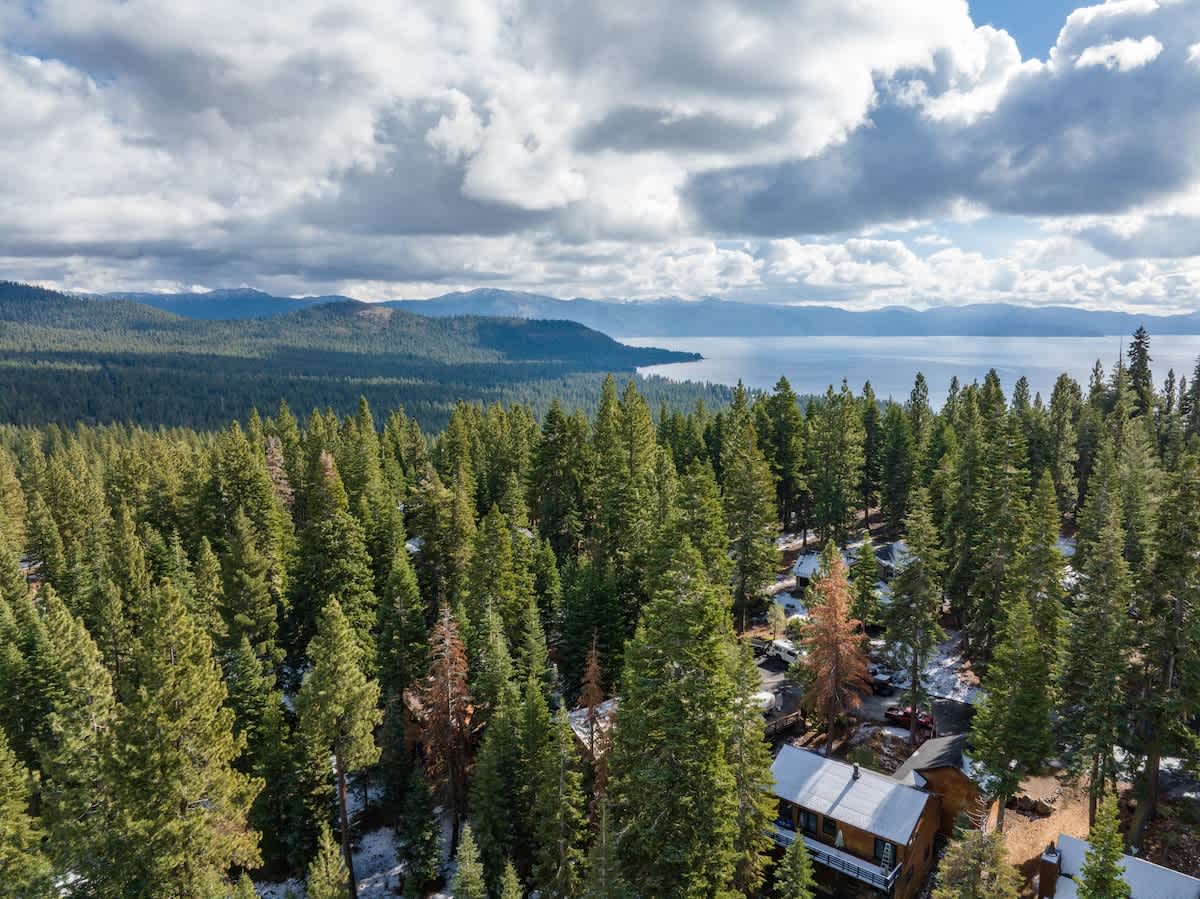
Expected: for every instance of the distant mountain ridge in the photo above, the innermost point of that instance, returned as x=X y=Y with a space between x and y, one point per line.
x=709 y=317
x=68 y=359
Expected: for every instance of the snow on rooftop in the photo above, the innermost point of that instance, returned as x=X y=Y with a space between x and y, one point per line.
x=873 y=802
x=1146 y=880
x=414 y=544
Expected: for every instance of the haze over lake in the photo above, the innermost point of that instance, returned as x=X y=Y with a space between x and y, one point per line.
x=812 y=363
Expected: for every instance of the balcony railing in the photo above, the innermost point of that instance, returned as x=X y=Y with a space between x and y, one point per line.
x=836 y=859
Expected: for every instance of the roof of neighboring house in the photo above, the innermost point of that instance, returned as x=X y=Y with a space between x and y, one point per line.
x=940 y=752
x=605 y=717
x=873 y=802
x=1146 y=880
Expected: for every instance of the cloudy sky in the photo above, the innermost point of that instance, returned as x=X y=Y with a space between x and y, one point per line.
x=864 y=152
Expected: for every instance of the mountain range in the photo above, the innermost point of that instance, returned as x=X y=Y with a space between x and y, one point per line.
x=67 y=358
x=709 y=317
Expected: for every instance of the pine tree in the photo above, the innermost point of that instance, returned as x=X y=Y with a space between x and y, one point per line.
x=1011 y=732
x=45 y=542
x=207 y=596
x=604 y=880
x=701 y=518
x=496 y=787
x=794 y=875
x=912 y=616
x=468 y=879
x=77 y=801
x=1065 y=407
x=403 y=656
x=672 y=788
x=781 y=436
x=750 y=517
x=899 y=465
x=419 y=837
x=1044 y=567
x=864 y=573
x=327 y=871
x=510 y=885
x=749 y=757
x=1140 y=378
x=494 y=586
x=183 y=805
x=976 y=866
x=591 y=697
x=248 y=607
x=446 y=702
x=24 y=870
x=835 y=462
x=558 y=813
x=1095 y=665
x=873 y=450
x=1102 y=875
x=337 y=708
x=835 y=655
x=245 y=888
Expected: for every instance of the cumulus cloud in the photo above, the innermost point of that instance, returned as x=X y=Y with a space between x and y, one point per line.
x=599 y=147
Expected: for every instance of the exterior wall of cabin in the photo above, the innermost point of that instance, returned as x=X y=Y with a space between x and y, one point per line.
x=957 y=792
x=915 y=858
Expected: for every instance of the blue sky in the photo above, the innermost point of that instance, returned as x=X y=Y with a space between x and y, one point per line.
x=866 y=154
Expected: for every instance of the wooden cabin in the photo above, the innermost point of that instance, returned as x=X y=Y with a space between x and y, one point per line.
x=855 y=823
x=941 y=766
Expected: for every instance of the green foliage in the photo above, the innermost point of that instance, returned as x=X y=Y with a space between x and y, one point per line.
x=976 y=866
x=419 y=836
x=327 y=875
x=751 y=519
x=749 y=758
x=24 y=870
x=468 y=879
x=1102 y=874
x=794 y=875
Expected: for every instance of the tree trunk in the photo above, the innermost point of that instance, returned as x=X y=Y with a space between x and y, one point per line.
x=345 y=815
x=1148 y=798
x=829 y=737
x=1003 y=800
x=1092 y=791
x=913 y=693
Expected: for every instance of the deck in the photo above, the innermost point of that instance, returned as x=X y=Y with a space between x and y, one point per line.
x=842 y=862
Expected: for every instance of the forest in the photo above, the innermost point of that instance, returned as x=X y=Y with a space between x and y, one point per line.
x=227 y=651
x=68 y=360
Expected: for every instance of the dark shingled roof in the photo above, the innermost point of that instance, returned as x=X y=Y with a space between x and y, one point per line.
x=940 y=752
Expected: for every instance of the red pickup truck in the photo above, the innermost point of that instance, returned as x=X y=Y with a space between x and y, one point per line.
x=902 y=715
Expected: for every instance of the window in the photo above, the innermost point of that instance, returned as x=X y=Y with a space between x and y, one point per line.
x=808 y=821
x=885 y=853
x=829 y=827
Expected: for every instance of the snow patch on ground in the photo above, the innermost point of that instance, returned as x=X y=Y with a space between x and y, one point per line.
x=375 y=866
x=945 y=676
x=1066 y=546
x=791 y=604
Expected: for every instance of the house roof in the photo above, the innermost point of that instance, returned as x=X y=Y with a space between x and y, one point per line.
x=940 y=752
x=1146 y=880
x=873 y=802
x=606 y=715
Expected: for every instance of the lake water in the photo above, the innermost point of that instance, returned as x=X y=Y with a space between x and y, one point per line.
x=891 y=363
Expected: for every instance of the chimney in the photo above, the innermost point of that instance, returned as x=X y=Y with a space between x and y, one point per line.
x=857 y=772
x=1049 y=867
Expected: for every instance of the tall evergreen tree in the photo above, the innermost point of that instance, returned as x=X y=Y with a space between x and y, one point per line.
x=781 y=436
x=899 y=465
x=1140 y=378
x=24 y=869
x=604 y=879
x=750 y=518
x=749 y=757
x=183 y=805
x=835 y=462
x=701 y=518
x=419 y=836
x=864 y=573
x=912 y=616
x=873 y=452
x=1011 y=732
x=446 y=702
x=673 y=791
x=337 y=708
x=558 y=813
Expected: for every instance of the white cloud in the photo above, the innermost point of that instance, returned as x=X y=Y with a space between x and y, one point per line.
x=1124 y=55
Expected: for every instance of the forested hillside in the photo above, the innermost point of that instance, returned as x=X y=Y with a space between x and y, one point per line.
x=65 y=360
x=220 y=650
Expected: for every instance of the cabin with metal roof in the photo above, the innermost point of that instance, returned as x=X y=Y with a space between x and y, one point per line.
x=941 y=766
x=855 y=823
x=1060 y=867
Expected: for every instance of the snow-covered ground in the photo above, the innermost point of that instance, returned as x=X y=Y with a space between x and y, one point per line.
x=1066 y=546
x=944 y=675
x=792 y=605
x=375 y=866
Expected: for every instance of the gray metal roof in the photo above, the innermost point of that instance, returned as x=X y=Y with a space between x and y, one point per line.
x=1146 y=880
x=940 y=752
x=873 y=802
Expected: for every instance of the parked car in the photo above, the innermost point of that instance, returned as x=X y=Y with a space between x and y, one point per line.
x=902 y=715
x=881 y=681
x=785 y=650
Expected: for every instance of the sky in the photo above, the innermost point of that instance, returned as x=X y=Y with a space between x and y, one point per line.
x=864 y=153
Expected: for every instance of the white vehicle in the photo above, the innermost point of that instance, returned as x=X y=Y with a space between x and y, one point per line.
x=784 y=650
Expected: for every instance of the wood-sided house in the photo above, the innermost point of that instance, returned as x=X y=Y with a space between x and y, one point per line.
x=941 y=766
x=855 y=823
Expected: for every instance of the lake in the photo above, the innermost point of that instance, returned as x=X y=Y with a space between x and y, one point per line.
x=812 y=363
